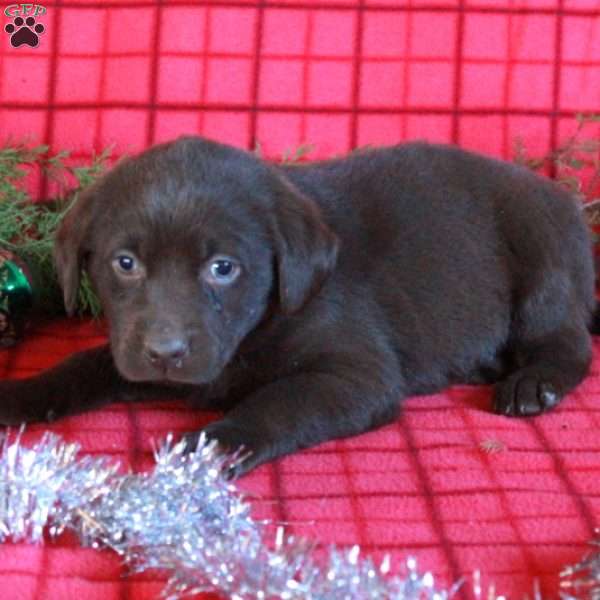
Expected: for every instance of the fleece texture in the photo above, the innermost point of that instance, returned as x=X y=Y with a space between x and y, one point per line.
x=449 y=483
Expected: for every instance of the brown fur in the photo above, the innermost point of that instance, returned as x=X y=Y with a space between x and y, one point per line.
x=363 y=280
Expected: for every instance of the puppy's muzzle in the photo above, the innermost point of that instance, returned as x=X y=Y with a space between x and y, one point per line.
x=166 y=352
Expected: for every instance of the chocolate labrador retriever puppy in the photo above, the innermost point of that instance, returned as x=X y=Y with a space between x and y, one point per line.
x=306 y=301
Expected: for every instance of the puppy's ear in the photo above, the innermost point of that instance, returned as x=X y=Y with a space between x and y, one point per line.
x=69 y=247
x=305 y=248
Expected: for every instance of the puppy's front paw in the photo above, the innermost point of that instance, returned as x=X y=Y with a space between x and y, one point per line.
x=232 y=437
x=525 y=394
x=21 y=403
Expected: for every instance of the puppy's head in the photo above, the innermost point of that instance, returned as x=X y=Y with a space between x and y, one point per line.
x=187 y=245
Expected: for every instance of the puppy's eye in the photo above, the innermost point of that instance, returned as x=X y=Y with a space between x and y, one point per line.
x=222 y=271
x=221 y=268
x=126 y=265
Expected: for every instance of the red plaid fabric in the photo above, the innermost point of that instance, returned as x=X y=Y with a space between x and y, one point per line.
x=334 y=74
x=450 y=483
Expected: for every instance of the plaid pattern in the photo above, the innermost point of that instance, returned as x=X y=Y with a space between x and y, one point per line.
x=332 y=73
x=450 y=483
x=335 y=74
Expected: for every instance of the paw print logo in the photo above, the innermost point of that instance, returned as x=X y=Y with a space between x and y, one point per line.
x=24 y=32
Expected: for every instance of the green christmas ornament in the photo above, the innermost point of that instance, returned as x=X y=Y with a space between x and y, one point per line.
x=16 y=298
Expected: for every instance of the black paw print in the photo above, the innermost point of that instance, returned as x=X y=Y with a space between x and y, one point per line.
x=24 y=32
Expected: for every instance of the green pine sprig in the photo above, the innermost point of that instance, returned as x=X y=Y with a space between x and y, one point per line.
x=576 y=161
x=28 y=227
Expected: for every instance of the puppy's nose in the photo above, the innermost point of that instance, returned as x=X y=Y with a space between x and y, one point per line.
x=166 y=352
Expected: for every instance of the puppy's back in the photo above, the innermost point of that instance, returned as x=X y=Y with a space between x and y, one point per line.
x=446 y=243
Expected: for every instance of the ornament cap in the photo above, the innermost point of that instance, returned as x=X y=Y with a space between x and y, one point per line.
x=16 y=298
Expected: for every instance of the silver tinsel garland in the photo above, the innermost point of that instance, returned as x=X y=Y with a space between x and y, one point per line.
x=186 y=519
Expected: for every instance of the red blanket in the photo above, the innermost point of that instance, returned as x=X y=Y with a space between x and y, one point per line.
x=334 y=74
x=450 y=483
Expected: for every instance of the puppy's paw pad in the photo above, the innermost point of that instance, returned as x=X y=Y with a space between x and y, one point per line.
x=524 y=395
